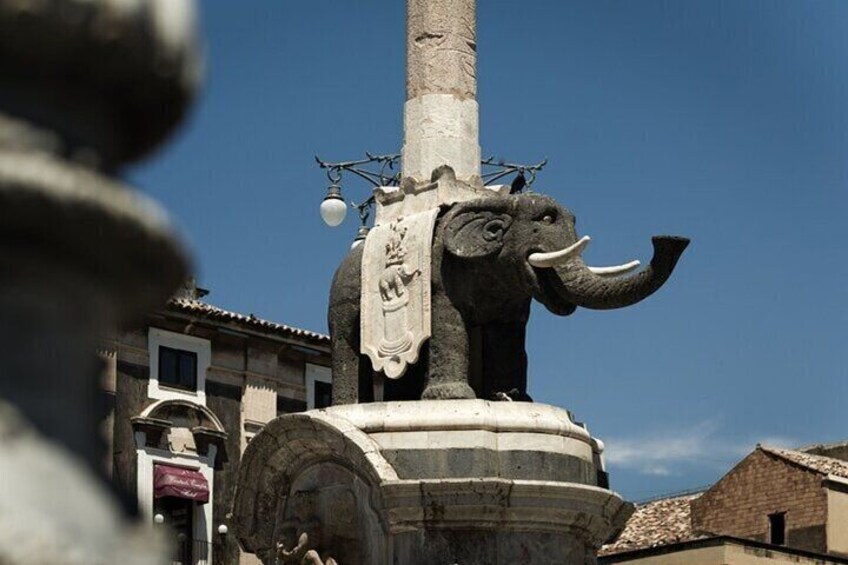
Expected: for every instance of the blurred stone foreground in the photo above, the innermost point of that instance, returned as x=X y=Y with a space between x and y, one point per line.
x=86 y=86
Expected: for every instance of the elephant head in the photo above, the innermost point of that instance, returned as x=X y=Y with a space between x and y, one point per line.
x=526 y=244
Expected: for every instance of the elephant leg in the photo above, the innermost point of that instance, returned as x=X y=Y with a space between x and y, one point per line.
x=343 y=319
x=504 y=358
x=346 y=361
x=448 y=374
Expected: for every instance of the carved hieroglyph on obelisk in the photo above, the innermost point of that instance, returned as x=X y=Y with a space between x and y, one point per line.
x=440 y=128
x=441 y=117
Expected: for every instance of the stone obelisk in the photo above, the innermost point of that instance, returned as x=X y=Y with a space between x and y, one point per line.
x=441 y=117
x=441 y=166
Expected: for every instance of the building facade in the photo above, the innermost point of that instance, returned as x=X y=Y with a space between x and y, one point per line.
x=186 y=393
x=721 y=550
x=777 y=505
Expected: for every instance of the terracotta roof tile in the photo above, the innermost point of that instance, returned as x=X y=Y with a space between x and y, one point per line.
x=817 y=463
x=656 y=523
x=202 y=309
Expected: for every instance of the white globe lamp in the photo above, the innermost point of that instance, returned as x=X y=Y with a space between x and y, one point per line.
x=333 y=208
x=360 y=236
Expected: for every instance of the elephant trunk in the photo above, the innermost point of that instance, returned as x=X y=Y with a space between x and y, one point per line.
x=584 y=286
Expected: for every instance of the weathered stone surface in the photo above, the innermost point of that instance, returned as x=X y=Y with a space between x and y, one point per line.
x=466 y=415
x=53 y=510
x=364 y=503
x=441 y=48
x=441 y=129
x=259 y=403
x=470 y=547
x=228 y=409
x=113 y=78
x=441 y=114
x=411 y=197
x=395 y=319
x=527 y=465
x=99 y=225
x=85 y=87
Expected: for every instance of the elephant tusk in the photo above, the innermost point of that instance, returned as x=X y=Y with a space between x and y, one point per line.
x=616 y=270
x=554 y=258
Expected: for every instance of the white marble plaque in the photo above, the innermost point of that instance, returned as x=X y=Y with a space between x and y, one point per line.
x=395 y=319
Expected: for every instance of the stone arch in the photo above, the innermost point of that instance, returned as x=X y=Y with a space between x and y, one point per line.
x=285 y=451
x=160 y=407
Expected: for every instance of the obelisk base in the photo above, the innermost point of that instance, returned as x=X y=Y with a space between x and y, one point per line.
x=458 y=481
x=441 y=129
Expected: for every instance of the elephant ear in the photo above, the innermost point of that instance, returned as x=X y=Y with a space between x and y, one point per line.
x=474 y=234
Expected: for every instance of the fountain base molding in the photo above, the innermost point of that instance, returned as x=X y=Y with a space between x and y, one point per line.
x=469 y=482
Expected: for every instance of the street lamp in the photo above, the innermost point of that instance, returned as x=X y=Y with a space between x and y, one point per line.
x=361 y=234
x=333 y=208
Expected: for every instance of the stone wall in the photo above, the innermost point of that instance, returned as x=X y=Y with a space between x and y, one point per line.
x=718 y=551
x=225 y=402
x=837 y=517
x=250 y=378
x=760 y=485
x=130 y=399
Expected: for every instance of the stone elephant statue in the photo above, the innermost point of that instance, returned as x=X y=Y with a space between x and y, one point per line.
x=491 y=256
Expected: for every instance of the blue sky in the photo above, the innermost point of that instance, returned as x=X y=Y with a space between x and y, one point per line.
x=725 y=121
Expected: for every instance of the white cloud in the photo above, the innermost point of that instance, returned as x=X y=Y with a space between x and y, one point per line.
x=669 y=452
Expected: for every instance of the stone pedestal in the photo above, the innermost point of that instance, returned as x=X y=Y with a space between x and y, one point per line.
x=459 y=481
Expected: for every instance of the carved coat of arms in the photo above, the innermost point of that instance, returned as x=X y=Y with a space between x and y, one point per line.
x=396 y=291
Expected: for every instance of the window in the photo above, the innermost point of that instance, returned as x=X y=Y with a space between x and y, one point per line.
x=777 y=528
x=319 y=386
x=177 y=368
x=323 y=394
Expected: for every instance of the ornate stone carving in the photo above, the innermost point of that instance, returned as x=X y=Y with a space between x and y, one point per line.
x=396 y=268
x=300 y=554
x=396 y=304
x=397 y=276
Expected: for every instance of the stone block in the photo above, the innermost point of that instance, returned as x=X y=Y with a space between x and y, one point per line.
x=228 y=358
x=441 y=129
x=261 y=361
x=291 y=372
x=259 y=403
